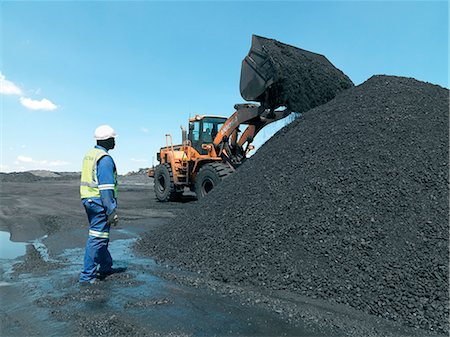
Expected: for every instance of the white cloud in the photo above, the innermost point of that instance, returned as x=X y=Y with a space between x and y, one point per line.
x=145 y=130
x=43 y=104
x=24 y=159
x=3 y=167
x=58 y=163
x=8 y=87
x=41 y=163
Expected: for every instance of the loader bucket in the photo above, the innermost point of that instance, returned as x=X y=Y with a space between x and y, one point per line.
x=276 y=74
x=257 y=71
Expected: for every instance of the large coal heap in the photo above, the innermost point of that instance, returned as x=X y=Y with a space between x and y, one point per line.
x=348 y=203
x=304 y=80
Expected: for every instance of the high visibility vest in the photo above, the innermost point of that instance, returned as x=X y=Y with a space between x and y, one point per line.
x=89 y=187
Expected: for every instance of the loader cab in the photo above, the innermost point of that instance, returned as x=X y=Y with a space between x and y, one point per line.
x=203 y=130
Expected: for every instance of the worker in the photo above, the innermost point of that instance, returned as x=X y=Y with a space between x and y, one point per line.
x=98 y=191
x=214 y=132
x=207 y=138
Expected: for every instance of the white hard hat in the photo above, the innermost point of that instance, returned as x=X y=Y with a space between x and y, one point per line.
x=104 y=132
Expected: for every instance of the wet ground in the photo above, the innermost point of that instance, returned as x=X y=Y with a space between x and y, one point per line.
x=43 y=230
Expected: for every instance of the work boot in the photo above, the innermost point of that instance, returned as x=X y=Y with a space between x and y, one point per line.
x=92 y=282
x=103 y=274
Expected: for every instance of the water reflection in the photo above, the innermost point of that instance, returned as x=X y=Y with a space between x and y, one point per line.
x=9 y=249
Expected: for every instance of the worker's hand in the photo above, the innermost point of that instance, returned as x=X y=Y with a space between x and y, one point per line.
x=113 y=219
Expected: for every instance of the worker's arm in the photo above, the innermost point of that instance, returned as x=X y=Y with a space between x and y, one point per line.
x=106 y=182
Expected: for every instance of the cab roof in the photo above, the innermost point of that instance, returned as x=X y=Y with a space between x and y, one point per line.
x=199 y=118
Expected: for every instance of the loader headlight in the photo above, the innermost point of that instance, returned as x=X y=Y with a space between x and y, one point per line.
x=207 y=147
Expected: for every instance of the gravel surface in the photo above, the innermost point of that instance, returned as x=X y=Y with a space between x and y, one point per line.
x=348 y=203
x=320 y=80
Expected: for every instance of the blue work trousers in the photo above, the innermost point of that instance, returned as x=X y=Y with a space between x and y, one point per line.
x=97 y=258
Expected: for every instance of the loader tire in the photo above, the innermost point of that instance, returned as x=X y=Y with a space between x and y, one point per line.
x=164 y=186
x=209 y=176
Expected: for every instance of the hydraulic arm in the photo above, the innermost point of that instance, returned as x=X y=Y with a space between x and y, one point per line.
x=227 y=142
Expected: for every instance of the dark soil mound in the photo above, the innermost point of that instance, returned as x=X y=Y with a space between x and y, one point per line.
x=320 y=80
x=23 y=177
x=38 y=175
x=349 y=203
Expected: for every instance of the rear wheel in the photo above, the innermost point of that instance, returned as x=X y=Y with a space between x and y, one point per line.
x=164 y=187
x=209 y=176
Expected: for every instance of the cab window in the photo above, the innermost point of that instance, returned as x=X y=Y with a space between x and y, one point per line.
x=207 y=132
x=212 y=126
x=195 y=131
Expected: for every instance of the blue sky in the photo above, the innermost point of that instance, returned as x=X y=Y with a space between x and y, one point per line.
x=145 y=67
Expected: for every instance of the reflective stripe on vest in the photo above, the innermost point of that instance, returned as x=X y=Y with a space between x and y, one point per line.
x=106 y=187
x=89 y=187
x=102 y=235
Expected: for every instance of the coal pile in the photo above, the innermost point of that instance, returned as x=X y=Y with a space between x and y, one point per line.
x=348 y=203
x=320 y=80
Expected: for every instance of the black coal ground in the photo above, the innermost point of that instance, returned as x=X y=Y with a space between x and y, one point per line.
x=348 y=203
x=320 y=80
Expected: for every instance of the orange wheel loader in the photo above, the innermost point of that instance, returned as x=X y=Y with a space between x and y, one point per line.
x=210 y=152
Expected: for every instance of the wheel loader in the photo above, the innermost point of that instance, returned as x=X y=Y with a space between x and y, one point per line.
x=214 y=147
x=211 y=151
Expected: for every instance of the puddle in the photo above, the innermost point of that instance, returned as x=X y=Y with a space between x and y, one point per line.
x=10 y=250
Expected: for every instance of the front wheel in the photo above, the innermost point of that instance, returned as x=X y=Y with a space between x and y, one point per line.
x=209 y=176
x=164 y=186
